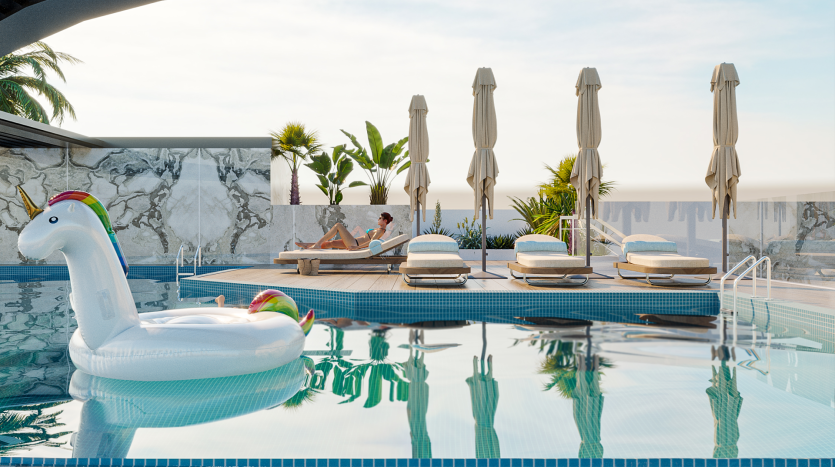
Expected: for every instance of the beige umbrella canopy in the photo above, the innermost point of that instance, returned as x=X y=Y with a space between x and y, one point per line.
x=417 y=180
x=483 y=168
x=723 y=172
x=585 y=177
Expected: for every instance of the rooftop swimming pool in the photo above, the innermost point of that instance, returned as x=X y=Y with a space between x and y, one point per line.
x=634 y=385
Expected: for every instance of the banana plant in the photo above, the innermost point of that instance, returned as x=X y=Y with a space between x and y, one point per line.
x=381 y=163
x=332 y=171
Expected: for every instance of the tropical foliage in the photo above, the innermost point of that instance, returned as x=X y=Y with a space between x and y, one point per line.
x=436 y=228
x=332 y=171
x=294 y=144
x=379 y=162
x=557 y=197
x=25 y=74
x=30 y=426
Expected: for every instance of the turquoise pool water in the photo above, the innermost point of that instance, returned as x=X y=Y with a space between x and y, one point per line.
x=641 y=386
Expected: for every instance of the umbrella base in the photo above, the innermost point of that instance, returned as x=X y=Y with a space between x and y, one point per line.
x=485 y=275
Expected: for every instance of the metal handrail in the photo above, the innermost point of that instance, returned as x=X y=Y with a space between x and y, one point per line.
x=753 y=268
x=198 y=258
x=179 y=262
x=727 y=275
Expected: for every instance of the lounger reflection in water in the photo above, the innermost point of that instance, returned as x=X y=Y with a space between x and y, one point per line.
x=650 y=254
x=113 y=409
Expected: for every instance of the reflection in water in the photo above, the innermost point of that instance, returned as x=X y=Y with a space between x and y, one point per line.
x=27 y=426
x=484 y=397
x=576 y=376
x=114 y=409
x=725 y=403
x=418 y=402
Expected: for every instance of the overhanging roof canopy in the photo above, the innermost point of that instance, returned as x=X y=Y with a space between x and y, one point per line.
x=23 y=22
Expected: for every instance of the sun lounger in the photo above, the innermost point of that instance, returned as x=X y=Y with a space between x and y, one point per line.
x=650 y=254
x=548 y=258
x=371 y=255
x=433 y=255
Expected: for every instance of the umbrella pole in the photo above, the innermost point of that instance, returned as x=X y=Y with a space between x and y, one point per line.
x=483 y=233
x=484 y=341
x=588 y=230
x=484 y=274
x=418 y=219
x=725 y=234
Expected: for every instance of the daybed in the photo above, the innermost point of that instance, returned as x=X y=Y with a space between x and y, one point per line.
x=371 y=255
x=433 y=255
x=548 y=257
x=650 y=254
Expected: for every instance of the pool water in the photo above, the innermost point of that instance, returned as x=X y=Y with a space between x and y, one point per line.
x=655 y=386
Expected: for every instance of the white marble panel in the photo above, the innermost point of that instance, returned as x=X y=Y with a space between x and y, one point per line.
x=42 y=173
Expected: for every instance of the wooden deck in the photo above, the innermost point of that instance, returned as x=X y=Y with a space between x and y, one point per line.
x=361 y=278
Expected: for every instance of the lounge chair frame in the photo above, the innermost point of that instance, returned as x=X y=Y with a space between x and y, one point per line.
x=647 y=270
x=388 y=260
x=549 y=276
x=410 y=275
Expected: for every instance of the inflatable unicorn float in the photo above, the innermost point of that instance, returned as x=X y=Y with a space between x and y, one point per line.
x=113 y=341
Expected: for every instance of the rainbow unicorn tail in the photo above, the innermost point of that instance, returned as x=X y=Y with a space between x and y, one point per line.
x=307 y=322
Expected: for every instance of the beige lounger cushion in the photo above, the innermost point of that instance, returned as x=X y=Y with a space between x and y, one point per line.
x=660 y=259
x=341 y=254
x=549 y=259
x=434 y=259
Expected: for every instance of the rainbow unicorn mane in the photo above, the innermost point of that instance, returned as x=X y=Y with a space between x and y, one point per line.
x=101 y=212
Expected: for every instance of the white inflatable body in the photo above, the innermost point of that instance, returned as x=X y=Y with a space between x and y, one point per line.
x=113 y=342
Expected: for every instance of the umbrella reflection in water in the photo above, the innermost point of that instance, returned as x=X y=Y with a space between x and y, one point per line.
x=484 y=396
x=418 y=401
x=725 y=404
x=576 y=376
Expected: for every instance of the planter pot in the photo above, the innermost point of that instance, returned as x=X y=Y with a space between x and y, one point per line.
x=492 y=255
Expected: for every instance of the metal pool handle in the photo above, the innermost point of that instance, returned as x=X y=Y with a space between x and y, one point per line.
x=753 y=270
x=728 y=274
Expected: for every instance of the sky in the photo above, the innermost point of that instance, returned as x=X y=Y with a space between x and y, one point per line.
x=212 y=68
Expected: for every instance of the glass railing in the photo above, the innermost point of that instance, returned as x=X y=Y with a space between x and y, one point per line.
x=796 y=232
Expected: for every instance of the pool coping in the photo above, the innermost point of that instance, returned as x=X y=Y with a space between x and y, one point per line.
x=409 y=462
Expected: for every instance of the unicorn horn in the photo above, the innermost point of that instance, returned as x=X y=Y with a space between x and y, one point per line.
x=31 y=208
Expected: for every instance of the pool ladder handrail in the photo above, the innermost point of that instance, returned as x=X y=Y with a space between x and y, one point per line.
x=751 y=258
x=179 y=262
x=753 y=270
x=198 y=258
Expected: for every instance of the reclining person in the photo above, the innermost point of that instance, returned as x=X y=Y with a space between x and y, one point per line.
x=346 y=240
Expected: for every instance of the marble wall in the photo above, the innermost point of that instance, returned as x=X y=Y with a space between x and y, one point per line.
x=158 y=199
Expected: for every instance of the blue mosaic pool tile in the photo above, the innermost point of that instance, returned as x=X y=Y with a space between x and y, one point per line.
x=779 y=462
x=368 y=463
x=826 y=462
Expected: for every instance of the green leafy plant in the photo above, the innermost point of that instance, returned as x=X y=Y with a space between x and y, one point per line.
x=16 y=85
x=557 y=197
x=500 y=242
x=436 y=228
x=526 y=230
x=379 y=162
x=469 y=235
x=332 y=171
x=294 y=144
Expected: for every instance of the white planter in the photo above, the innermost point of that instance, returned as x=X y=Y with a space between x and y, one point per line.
x=492 y=255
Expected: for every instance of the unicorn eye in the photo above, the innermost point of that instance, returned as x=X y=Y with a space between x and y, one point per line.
x=53 y=220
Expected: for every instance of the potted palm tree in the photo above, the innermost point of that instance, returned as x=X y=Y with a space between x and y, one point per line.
x=294 y=144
